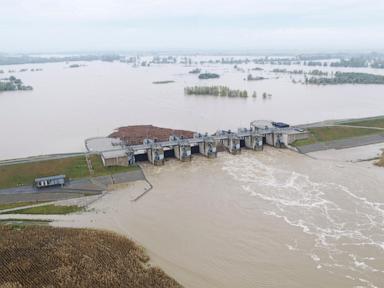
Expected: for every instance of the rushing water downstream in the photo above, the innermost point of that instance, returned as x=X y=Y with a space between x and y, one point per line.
x=68 y=105
x=260 y=219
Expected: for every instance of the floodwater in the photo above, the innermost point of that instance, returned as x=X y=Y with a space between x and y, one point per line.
x=69 y=105
x=260 y=219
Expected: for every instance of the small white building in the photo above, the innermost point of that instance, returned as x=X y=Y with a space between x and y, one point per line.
x=57 y=180
x=115 y=158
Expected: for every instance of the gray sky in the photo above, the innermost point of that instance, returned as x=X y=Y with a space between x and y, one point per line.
x=100 y=25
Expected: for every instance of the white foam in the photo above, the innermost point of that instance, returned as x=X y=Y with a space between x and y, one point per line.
x=315 y=257
x=334 y=222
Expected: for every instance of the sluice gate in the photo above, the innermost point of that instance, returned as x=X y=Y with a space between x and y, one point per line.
x=117 y=152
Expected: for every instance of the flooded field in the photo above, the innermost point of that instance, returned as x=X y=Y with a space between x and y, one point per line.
x=255 y=220
x=68 y=105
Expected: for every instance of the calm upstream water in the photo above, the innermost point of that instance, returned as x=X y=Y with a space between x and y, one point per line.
x=68 y=105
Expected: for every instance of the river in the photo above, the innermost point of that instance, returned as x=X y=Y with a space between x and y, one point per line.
x=69 y=105
x=260 y=219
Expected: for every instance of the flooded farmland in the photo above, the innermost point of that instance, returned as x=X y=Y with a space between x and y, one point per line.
x=68 y=105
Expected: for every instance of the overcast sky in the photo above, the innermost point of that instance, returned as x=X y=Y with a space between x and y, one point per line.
x=278 y=25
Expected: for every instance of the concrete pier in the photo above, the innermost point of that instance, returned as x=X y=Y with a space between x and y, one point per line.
x=231 y=141
x=208 y=146
x=252 y=140
x=155 y=153
x=182 y=149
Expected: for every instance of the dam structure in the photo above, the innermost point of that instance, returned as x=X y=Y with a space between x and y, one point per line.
x=117 y=152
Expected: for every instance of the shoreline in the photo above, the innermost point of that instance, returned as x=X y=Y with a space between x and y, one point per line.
x=322 y=145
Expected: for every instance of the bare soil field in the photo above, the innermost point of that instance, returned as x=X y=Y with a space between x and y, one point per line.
x=137 y=133
x=42 y=256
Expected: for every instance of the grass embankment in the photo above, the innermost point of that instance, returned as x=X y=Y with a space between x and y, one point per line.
x=73 y=167
x=25 y=173
x=48 y=210
x=21 y=223
x=42 y=256
x=18 y=204
x=323 y=134
x=373 y=122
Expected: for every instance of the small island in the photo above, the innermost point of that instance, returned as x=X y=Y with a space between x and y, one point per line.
x=250 y=77
x=195 y=71
x=74 y=66
x=13 y=84
x=215 y=91
x=163 y=82
x=208 y=76
x=346 y=78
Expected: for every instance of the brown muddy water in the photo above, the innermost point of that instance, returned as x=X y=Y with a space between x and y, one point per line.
x=69 y=105
x=269 y=219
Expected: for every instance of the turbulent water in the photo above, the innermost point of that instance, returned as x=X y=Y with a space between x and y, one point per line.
x=68 y=105
x=347 y=229
x=260 y=219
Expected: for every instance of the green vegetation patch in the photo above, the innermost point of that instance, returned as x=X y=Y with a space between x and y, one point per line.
x=73 y=167
x=25 y=173
x=347 y=78
x=209 y=76
x=323 y=134
x=215 y=91
x=13 y=84
x=22 y=223
x=100 y=170
x=48 y=210
x=17 y=204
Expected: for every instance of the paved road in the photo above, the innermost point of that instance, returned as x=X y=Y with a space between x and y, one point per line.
x=364 y=127
x=82 y=202
x=343 y=143
x=39 y=158
x=76 y=188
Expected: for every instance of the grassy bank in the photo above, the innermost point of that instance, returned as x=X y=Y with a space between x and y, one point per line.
x=17 y=204
x=25 y=173
x=21 y=223
x=73 y=167
x=41 y=256
x=48 y=210
x=323 y=134
x=377 y=122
